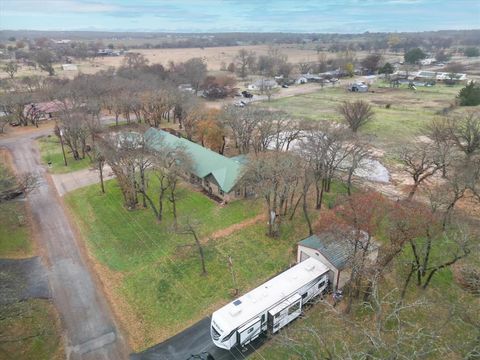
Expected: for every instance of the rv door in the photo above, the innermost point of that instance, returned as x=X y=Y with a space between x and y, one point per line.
x=249 y=331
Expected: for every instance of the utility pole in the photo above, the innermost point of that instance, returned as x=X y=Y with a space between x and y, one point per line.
x=63 y=149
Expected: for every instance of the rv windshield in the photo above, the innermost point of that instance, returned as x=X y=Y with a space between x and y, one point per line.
x=215 y=334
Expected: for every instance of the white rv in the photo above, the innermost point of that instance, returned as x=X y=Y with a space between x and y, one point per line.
x=270 y=306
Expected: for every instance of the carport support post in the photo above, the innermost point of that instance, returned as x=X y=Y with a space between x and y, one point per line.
x=63 y=149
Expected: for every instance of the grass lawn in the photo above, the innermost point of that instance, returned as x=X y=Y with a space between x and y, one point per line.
x=14 y=231
x=409 y=110
x=29 y=330
x=155 y=280
x=51 y=150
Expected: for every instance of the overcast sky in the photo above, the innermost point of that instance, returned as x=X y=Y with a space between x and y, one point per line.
x=343 y=16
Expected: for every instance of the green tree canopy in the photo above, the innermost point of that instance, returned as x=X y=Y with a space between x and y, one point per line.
x=414 y=55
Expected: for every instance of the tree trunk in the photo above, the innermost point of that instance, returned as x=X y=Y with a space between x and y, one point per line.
x=305 y=213
x=100 y=168
x=412 y=191
x=173 y=200
x=407 y=281
x=200 y=251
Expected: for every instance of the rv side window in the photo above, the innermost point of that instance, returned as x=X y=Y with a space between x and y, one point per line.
x=263 y=318
x=304 y=296
x=250 y=330
x=293 y=308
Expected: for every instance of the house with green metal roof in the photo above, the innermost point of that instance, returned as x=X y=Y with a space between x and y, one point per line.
x=215 y=173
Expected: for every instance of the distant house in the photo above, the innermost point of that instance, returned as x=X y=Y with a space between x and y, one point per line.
x=301 y=80
x=215 y=173
x=438 y=76
x=428 y=61
x=69 y=67
x=108 y=52
x=43 y=110
x=262 y=84
x=186 y=88
x=335 y=253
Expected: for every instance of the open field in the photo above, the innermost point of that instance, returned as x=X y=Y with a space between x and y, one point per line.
x=151 y=275
x=409 y=110
x=51 y=150
x=214 y=57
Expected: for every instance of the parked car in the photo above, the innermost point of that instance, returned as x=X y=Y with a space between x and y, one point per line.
x=240 y=104
x=247 y=94
x=201 y=356
x=285 y=86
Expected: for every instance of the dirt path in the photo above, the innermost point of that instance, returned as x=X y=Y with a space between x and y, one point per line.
x=91 y=333
x=235 y=227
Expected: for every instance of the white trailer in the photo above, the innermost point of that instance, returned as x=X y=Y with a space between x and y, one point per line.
x=270 y=306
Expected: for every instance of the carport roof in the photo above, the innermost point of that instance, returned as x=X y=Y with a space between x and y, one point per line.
x=336 y=251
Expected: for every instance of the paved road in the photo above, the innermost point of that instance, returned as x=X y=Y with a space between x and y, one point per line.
x=91 y=333
x=194 y=340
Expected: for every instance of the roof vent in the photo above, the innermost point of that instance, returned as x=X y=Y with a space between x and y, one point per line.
x=235 y=311
x=309 y=267
x=237 y=302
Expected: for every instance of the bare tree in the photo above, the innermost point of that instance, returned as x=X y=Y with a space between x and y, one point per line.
x=304 y=67
x=243 y=123
x=12 y=186
x=329 y=146
x=134 y=60
x=45 y=59
x=119 y=151
x=356 y=114
x=11 y=69
x=465 y=133
x=387 y=332
x=420 y=162
x=426 y=263
x=359 y=152
x=189 y=227
x=244 y=62
x=168 y=165
x=274 y=176
x=195 y=71
x=439 y=131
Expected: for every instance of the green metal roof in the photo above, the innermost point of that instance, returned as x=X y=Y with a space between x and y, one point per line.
x=337 y=252
x=226 y=171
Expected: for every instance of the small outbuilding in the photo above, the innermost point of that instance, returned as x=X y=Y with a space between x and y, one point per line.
x=331 y=252
x=336 y=253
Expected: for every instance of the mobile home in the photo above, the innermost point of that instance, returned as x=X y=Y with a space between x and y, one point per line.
x=270 y=306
